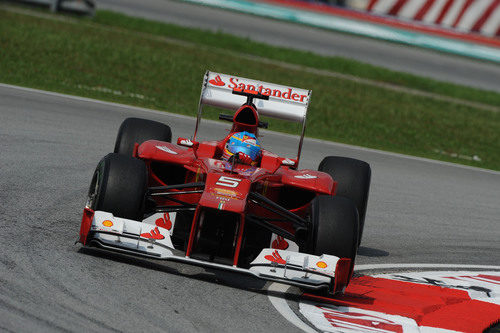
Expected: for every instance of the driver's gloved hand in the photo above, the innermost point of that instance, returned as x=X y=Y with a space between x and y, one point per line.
x=244 y=158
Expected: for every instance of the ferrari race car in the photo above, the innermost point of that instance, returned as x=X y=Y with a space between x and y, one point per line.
x=188 y=202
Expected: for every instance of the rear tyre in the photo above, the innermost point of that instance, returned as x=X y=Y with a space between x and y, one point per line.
x=334 y=227
x=353 y=181
x=119 y=186
x=138 y=130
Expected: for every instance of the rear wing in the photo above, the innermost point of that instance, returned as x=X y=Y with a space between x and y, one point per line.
x=285 y=103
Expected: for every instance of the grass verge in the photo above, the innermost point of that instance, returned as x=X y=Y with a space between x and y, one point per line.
x=108 y=59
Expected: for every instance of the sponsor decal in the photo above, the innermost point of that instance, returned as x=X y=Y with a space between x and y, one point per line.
x=280 y=243
x=217 y=81
x=164 y=222
x=275 y=258
x=258 y=87
x=221 y=205
x=288 y=93
x=306 y=176
x=153 y=234
x=167 y=150
x=321 y=264
x=225 y=192
x=107 y=223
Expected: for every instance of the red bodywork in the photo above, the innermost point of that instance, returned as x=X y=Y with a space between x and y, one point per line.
x=222 y=213
x=227 y=185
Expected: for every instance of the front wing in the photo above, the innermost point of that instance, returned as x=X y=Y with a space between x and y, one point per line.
x=104 y=230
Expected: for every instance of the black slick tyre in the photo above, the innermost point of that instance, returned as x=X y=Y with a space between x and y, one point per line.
x=353 y=181
x=138 y=130
x=334 y=227
x=119 y=186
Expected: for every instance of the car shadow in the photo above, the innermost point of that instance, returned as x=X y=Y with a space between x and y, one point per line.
x=371 y=252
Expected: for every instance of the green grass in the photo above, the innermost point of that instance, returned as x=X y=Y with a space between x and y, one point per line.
x=94 y=59
x=336 y=64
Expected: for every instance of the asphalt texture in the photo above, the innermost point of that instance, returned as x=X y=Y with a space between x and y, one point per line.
x=422 y=62
x=418 y=211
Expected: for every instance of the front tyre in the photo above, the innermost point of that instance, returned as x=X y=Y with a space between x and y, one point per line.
x=119 y=186
x=353 y=182
x=334 y=227
x=138 y=130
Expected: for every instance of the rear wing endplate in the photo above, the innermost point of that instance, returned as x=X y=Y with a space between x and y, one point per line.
x=285 y=103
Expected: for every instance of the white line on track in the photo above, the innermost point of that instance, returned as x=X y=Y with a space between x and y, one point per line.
x=284 y=309
x=281 y=305
x=335 y=144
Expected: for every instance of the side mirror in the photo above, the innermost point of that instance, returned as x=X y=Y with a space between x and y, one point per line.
x=187 y=143
x=289 y=162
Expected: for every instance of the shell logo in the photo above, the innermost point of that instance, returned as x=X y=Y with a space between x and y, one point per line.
x=321 y=264
x=107 y=223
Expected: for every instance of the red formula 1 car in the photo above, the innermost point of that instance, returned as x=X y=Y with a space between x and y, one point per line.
x=188 y=202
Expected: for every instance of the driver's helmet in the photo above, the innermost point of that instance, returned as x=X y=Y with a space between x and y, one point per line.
x=245 y=143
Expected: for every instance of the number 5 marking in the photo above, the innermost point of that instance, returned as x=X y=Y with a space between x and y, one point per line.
x=228 y=181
